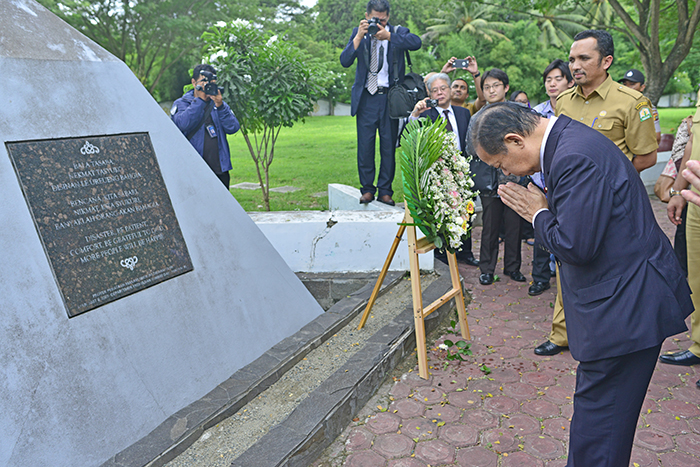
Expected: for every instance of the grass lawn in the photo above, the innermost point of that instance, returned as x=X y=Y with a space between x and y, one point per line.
x=671 y=117
x=308 y=156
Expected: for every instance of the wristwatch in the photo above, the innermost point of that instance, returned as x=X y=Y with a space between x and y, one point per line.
x=478 y=73
x=673 y=192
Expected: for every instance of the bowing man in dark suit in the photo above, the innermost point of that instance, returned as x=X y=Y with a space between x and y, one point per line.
x=624 y=291
x=375 y=72
x=458 y=122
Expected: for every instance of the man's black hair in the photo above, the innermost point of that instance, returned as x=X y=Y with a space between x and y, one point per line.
x=604 y=41
x=500 y=75
x=380 y=6
x=488 y=128
x=560 y=64
x=202 y=67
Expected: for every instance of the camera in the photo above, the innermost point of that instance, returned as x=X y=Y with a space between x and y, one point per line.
x=373 y=27
x=461 y=63
x=431 y=103
x=210 y=89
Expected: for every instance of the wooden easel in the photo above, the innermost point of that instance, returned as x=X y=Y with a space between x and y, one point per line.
x=416 y=247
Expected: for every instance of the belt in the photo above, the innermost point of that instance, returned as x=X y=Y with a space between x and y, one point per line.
x=380 y=90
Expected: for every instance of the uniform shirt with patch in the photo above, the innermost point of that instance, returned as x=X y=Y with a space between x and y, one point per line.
x=620 y=113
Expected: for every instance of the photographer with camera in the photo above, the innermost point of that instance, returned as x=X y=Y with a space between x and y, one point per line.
x=380 y=49
x=203 y=116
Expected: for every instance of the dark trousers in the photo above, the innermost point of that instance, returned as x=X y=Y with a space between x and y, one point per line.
x=493 y=211
x=464 y=254
x=679 y=245
x=608 y=398
x=540 y=263
x=372 y=116
x=225 y=179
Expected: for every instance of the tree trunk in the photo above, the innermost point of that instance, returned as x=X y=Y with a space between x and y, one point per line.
x=645 y=36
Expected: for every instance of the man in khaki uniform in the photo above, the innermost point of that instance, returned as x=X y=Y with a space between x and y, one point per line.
x=620 y=113
x=692 y=232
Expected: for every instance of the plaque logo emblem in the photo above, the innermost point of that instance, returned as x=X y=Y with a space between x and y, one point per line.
x=129 y=262
x=88 y=149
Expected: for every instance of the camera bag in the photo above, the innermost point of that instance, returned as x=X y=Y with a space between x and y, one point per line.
x=403 y=97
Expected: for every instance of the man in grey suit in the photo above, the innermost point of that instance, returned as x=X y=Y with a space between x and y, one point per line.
x=624 y=291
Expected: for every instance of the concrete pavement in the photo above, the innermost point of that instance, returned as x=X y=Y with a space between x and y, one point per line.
x=519 y=414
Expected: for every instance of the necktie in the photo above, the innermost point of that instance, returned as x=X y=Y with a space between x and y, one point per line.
x=373 y=68
x=448 y=127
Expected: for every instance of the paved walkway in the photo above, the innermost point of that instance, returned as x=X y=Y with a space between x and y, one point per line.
x=519 y=414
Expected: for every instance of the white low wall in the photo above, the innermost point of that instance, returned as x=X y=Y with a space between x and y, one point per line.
x=650 y=175
x=338 y=241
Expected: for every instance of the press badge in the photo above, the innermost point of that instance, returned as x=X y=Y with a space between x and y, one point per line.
x=212 y=131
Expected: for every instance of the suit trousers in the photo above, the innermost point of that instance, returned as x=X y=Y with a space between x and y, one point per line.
x=692 y=234
x=372 y=116
x=540 y=263
x=493 y=212
x=558 y=335
x=608 y=398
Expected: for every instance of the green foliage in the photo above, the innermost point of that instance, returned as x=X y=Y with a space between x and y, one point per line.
x=269 y=84
x=421 y=145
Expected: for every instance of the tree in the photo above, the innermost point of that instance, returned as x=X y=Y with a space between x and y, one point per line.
x=268 y=83
x=151 y=37
x=656 y=28
x=468 y=18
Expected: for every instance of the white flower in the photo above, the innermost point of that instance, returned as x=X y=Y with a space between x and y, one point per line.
x=240 y=23
x=443 y=346
x=271 y=40
x=217 y=55
x=221 y=24
x=247 y=78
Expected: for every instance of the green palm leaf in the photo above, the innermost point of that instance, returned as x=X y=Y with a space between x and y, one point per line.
x=422 y=144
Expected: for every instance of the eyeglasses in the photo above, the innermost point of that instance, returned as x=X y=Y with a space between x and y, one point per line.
x=494 y=87
x=558 y=79
x=442 y=88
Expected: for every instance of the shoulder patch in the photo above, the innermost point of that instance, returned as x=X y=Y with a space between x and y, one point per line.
x=644 y=114
x=644 y=103
x=630 y=92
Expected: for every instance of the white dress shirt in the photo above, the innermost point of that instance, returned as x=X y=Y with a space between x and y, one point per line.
x=552 y=120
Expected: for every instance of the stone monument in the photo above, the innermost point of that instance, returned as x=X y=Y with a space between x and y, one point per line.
x=131 y=282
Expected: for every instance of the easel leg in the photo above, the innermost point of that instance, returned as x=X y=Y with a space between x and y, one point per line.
x=417 y=293
x=382 y=276
x=459 y=298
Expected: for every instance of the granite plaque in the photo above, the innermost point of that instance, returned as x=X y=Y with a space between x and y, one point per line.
x=103 y=214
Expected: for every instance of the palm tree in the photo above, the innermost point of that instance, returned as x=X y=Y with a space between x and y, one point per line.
x=467 y=17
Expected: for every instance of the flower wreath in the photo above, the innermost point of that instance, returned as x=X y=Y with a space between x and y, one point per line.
x=438 y=186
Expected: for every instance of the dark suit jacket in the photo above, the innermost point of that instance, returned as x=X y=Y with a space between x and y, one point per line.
x=401 y=39
x=622 y=286
x=461 y=115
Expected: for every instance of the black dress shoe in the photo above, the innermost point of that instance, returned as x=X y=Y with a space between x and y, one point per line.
x=366 y=198
x=517 y=276
x=486 y=279
x=386 y=199
x=684 y=357
x=538 y=288
x=471 y=261
x=548 y=349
